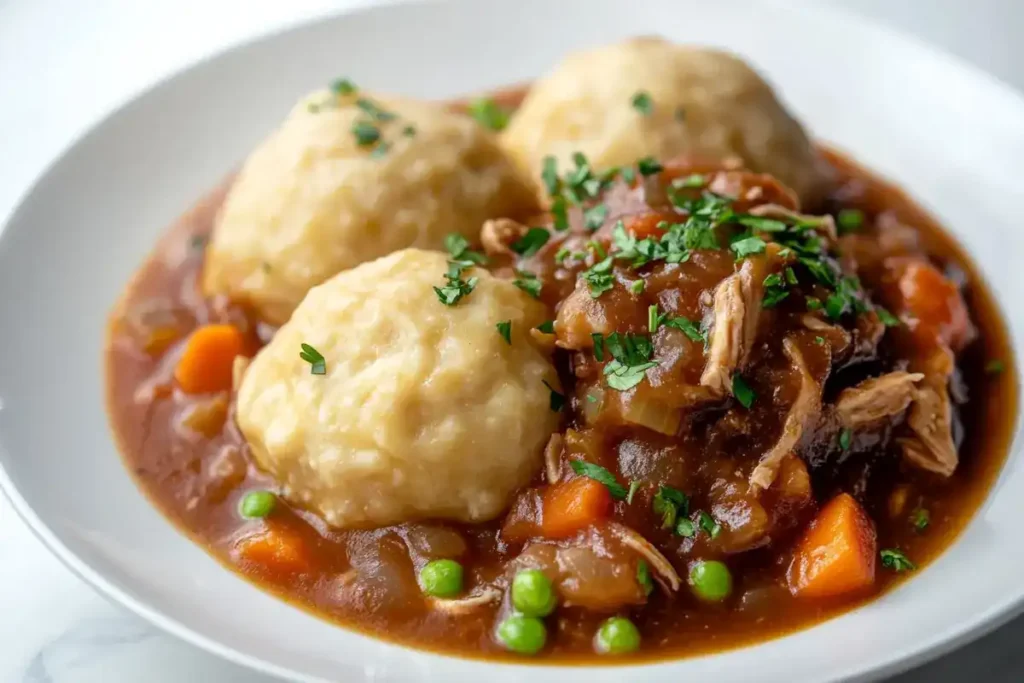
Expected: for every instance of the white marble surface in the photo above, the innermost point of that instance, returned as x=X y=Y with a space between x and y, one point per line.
x=63 y=63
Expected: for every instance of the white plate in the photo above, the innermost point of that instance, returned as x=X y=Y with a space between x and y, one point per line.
x=953 y=137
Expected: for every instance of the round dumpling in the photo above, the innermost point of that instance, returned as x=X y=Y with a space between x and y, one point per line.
x=649 y=97
x=323 y=194
x=424 y=410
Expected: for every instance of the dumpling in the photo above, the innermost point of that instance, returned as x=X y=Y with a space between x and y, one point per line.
x=424 y=410
x=322 y=194
x=693 y=101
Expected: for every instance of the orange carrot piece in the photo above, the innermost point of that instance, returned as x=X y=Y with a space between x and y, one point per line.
x=837 y=553
x=205 y=365
x=274 y=549
x=573 y=505
x=645 y=225
x=937 y=304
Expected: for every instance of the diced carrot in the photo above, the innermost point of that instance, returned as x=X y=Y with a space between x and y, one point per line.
x=645 y=225
x=936 y=303
x=573 y=505
x=837 y=553
x=205 y=365
x=274 y=549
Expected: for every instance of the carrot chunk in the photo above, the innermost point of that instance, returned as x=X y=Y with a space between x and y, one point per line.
x=205 y=365
x=274 y=549
x=936 y=302
x=646 y=225
x=573 y=505
x=837 y=553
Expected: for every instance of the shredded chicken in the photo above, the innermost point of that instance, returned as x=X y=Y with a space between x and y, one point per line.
x=930 y=418
x=552 y=453
x=498 y=234
x=876 y=398
x=737 y=305
x=666 y=573
x=467 y=604
x=826 y=225
x=804 y=409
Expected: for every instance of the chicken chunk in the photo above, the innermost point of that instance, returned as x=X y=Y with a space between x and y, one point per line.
x=876 y=398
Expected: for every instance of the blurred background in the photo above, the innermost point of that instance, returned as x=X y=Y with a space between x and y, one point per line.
x=63 y=64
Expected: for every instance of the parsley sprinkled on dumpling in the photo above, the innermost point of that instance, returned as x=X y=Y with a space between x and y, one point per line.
x=648 y=97
x=423 y=409
x=349 y=177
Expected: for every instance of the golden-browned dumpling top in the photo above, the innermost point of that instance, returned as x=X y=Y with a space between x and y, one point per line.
x=649 y=97
x=424 y=410
x=323 y=194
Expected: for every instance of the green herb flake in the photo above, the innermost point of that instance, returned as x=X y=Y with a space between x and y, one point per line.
x=458 y=246
x=820 y=341
x=409 y=131
x=560 y=214
x=530 y=243
x=557 y=401
x=637 y=287
x=630 y=360
x=849 y=220
x=561 y=254
x=505 y=330
x=896 y=561
x=343 y=86
x=373 y=111
x=380 y=150
x=366 y=133
x=748 y=246
x=598 y=346
x=709 y=525
x=643 y=103
x=920 y=519
x=995 y=367
x=643 y=572
x=742 y=391
x=669 y=504
x=844 y=439
x=318 y=365
x=489 y=114
x=547 y=327
x=455 y=287
x=197 y=242
x=593 y=218
x=653 y=319
x=887 y=318
x=634 y=485
x=691 y=181
x=599 y=277
x=528 y=282
x=687 y=327
x=600 y=475
x=648 y=166
x=761 y=224
x=549 y=175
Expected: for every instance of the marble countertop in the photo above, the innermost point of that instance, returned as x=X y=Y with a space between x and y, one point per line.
x=63 y=63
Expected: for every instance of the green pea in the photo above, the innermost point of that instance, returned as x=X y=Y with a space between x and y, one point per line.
x=533 y=594
x=256 y=504
x=522 y=634
x=441 y=578
x=710 y=580
x=617 y=636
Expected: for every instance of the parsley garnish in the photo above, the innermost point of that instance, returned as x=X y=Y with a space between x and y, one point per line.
x=599 y=277
x=709 y=525
x=365 y=133
x=528 y=282
x=849 y=220
x=631 y=358
x=775 y=290
x=455 y=287
x=600 y=475
x=920 y=519
x=670 y=504
x=549 y=175
x=687 y=327
x=409 y=131
x=489 y=114
x=643 y=572
x=649 y=166
x=458 y=247
x=653 y=319
x=844 y=439
x=691 y=181
x=530 y=243
x=547 y=327
x=593 y=218
x=633 y=485
x=598 y=346
x=373 y=111
x=343 y=86
x=897 y=561
x=642 y=103
x=380 y=150
x=561 y=254
x=761 y=224
x=637 y=287
x=845 y=298
x=742 y=391
x=748 y=246
x=505 y=330
x=557 y=400
x=887 y=318
x=820 y=341
x=318 y=366
x=560 y=214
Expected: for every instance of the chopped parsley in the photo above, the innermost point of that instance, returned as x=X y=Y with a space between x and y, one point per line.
x=643 y=572
x=549 y=175
x=528 y=282
x=546 y=327
x=380 y=150
x=709 y=524
x=366 y=133
x=760 y=223
x=669 y=504
x=742 y=391
x=845 y=298
x=637 y=287
x=896 y=561
x=775 y=290
x=458 y=247
x=653 y=319
x=455 y=287
x=318 y=366
x=600 y=475
x=995 y=367
x=849 y=220
x=920 y=519
x=687 y=327
x=820 y=341
x=844 y=439
x=560 y=214
x=198 y=242
x=748 y=246
x=631 y=358
x=593 y=218
x=643 y=103
x=634 y=485
x=649 y=166
x=373 y=111
x=557 y=401
x=691 y=181
x=489 y=114
x=598 y=346
x=561 y=254
x=887 y=318
x=530 y=243
x=409 y=131
x=505 y=330
x=599 y=277
x=343 y=86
